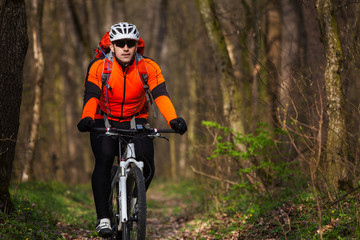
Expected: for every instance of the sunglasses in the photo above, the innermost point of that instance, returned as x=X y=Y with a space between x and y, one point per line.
x=129 y=42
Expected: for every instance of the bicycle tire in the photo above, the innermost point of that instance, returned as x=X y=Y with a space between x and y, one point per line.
x=114 y=206
x=135 y=228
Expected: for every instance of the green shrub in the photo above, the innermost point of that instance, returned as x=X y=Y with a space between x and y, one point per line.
x=261 y=169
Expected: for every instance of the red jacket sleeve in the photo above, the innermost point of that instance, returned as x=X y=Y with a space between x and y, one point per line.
x=158 y=90
x=92 y=91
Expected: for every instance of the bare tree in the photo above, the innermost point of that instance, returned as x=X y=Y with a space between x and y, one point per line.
x=348 y=21
x=78 y=29
x=75 y=22
x=37 y=12
x=13 y=47
x=118 y=12
x=290 y=45
x=273 y=60
x=336 y=134
x=220 y=53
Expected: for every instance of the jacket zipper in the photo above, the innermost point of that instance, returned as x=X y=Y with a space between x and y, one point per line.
x=122 y=104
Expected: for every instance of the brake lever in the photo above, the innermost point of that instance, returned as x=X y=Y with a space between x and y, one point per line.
x=101 y=135
x=108 y=133
x=158 y=135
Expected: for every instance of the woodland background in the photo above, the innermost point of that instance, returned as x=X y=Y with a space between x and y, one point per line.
x=282 y=74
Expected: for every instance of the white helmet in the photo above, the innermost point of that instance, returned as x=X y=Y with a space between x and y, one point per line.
x=123 y=30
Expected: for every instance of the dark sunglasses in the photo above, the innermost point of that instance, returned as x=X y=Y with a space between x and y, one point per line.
x=129 y=42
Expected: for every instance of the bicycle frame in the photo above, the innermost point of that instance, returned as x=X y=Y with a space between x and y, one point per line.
x=121 y=175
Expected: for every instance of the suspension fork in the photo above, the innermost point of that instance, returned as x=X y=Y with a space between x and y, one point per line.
x=129 y=158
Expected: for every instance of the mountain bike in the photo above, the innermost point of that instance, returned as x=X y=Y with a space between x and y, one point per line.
x=127 y=200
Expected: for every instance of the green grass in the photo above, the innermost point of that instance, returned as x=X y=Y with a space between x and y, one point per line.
x=178 y=198
x=40 y=206
x=189 y=191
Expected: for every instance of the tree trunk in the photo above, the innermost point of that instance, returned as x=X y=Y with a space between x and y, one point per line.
x=289 y=50
x=315 y=92
x=73 y=88
x=336 y=134
x=79 y=30
x=37 y=9
x=224 y=69
x=220 y=53
x=289 y=85
x=116 y=11
x=13 y=47
x=273 y=52
x=224 y=11
x=161 y=29
x=96 y=21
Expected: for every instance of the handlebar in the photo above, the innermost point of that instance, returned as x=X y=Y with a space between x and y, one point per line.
x=139 y=129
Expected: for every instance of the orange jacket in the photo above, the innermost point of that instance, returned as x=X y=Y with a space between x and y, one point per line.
x=126 y=96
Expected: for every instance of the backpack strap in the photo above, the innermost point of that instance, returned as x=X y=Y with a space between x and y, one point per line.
x=144 y=76
x=105 y=76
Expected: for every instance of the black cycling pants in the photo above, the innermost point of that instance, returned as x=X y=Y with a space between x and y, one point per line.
x=105 y=149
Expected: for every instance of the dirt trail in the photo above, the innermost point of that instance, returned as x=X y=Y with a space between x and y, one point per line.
x=167 y=215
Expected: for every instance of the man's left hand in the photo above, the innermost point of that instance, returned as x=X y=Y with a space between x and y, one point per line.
x=179 y=125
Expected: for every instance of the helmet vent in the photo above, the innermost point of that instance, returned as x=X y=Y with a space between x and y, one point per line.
x=119 y=30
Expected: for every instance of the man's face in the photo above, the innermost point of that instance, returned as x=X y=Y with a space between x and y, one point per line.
x=124 y=49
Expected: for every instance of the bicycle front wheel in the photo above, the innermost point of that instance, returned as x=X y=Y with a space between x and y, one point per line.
x=135 y=229
x=114 y=205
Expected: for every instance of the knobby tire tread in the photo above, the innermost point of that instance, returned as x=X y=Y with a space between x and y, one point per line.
x=115 y=209
x=138 y=231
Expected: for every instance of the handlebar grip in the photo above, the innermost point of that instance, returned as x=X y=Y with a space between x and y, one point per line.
x=98 y=129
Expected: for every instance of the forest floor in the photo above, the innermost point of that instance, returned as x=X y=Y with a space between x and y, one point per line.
x=173 y=215
x=51 y=210
x=168 y=216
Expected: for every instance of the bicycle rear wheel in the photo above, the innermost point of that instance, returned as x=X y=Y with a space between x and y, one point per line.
x=135 y=228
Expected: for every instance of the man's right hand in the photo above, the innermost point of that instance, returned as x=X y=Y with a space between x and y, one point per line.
x=85 y=124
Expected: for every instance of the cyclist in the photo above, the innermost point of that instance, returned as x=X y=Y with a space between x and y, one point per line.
x=119 y=102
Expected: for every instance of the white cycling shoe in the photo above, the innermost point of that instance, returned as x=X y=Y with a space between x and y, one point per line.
x=104 y=228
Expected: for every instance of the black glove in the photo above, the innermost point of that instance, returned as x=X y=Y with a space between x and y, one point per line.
x=85 y=124
x=179 y=125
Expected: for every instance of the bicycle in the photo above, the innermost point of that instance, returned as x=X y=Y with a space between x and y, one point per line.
x=128 y=184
